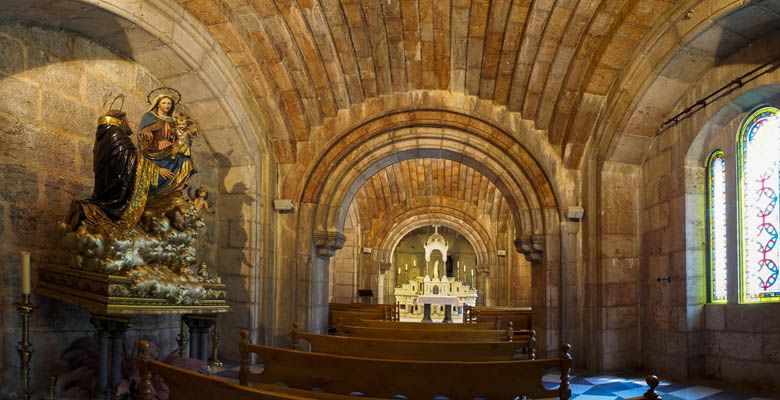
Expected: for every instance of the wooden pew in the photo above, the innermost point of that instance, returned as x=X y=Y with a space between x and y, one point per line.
x=351 y=317
x=184 y=384
x=499 y=316
x=354 y=313
x=452 y=335
x=470 y=312
x=420 y=325
x=388 y=349
x=390 y=312
x=417 y=380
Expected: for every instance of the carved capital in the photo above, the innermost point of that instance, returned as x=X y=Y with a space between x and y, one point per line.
x=384 y=267
x=199 y=323
x=327 y=242
x=532 y=247
x=109 y=325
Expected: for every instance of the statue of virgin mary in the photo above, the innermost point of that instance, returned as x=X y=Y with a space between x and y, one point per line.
x=157 y=132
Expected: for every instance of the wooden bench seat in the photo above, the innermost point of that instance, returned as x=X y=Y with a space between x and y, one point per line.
x=451 y=335
x=417 y=380
x=184 y=384
x=413 y=350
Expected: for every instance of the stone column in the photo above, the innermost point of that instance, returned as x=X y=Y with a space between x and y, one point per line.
x=483 y=289
x=199 y=327
x=111 y=332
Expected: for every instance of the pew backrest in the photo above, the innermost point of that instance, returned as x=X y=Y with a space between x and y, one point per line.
x=184 y=384
x=413 y=379
x=389 y=312
x=351 y=317
x=389 y=349
x=421 y=325
x=454 y=335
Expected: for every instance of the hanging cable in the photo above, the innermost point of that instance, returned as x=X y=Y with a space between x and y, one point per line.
x=724 y=90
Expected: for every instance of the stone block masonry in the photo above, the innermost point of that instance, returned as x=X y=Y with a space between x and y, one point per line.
x=53 y=85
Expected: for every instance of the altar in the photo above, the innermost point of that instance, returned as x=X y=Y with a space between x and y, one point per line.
x=438 y=294
x=447 y=301
x=423 y=296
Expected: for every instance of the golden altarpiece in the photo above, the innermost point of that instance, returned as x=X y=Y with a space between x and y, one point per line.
x=416 y=293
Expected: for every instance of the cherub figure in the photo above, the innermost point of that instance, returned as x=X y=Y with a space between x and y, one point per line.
x=200 y=201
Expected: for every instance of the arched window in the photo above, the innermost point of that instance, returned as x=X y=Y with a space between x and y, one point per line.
x=717 y=241
x=758 y=151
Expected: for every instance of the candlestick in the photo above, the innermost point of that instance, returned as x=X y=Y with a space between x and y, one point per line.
x=214 y=361
x=181 y=340
x=26 y=272
x=24 y=348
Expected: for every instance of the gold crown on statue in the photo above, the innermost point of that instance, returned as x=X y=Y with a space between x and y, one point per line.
x=164 y=91
x=112 y=116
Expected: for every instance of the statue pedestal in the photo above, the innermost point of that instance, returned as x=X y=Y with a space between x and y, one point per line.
x=112 y=315
x=97 y=293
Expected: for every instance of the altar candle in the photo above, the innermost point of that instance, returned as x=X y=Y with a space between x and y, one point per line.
x=406 y=267
x=25 y=272
x=414 y=262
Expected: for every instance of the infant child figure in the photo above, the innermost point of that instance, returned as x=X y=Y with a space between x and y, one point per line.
x=185 y=132
x=200 y=200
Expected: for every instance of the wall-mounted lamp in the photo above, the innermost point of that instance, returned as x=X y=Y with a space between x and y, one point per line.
x=283 y=205
x=575 y=212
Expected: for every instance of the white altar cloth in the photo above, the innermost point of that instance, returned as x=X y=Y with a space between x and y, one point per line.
x=451 y=300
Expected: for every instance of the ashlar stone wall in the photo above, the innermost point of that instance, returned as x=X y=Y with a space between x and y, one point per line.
x=53 y=85
x=619 y=264
x=682 y=335
x=344 y=265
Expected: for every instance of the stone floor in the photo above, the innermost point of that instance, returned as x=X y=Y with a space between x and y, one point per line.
x=612 y=387
x=616 y=387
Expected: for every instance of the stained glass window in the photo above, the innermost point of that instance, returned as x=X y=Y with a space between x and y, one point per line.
x=759 y=170
x=716 y=226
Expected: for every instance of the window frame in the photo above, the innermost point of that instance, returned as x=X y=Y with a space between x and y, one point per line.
x=709 y=217
x=746 y=124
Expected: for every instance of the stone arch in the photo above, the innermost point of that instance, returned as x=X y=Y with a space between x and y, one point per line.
x=174 y=47
x=354 y=156
x=412 y=219
x=472 y=230
x=165 y=40
x=676 y=54
x=536 y=187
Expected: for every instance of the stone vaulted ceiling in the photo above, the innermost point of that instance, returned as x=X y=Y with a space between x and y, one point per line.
x=426 y=186
x=305 y=60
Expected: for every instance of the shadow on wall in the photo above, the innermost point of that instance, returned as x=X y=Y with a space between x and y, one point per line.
x=235 y=254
